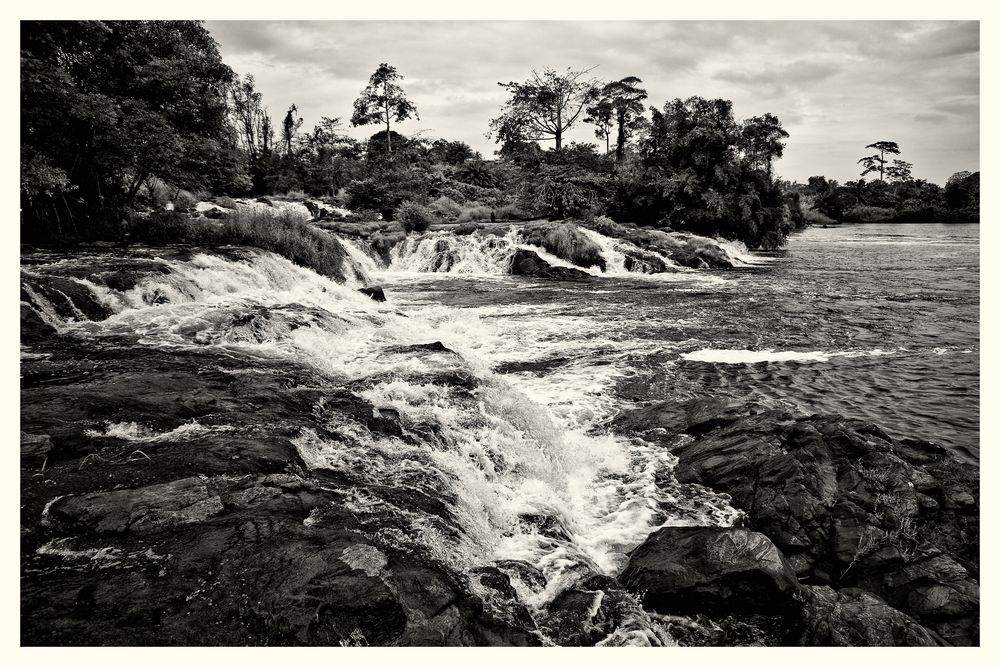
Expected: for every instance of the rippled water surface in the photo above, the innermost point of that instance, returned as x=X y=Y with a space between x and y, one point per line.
x=879 y=322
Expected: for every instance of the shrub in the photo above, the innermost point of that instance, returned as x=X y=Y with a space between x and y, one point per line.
x=862 y=213
x=295 y=195
x=565 y=241
x=414 y=217
x=445 y=207
x=285 y=234
x=605 y=225
x=815 y=217
x=184 y=201
x=475 y=212
x=161 y=227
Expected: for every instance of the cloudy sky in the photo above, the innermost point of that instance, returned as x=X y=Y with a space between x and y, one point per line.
x=836 y=86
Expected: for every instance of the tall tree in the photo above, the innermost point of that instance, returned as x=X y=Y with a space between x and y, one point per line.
x=761 y=140
x=107 y=105
x=900 y=171
x=877 y=161
x=254 y=130
x=383 y=101
x=289 y=127
x=544 y=107
x=625 y=97
x=601 y=115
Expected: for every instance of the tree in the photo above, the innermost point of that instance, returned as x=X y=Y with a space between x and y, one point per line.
x=289 y=127
x=108 y=105
x=383 y=101
x=877 y=161
x=602 y=116
x=900 y=171
x=544 y=107
x=254 y=130
x=761 y=140
x=626 y=99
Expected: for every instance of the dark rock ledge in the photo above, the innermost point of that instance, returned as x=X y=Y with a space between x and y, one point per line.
x=860 y=539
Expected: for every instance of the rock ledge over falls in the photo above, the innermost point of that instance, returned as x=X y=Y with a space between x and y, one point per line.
x=872 y=527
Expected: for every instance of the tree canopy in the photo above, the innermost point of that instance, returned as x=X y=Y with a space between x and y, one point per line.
x=383 y=101
x=107 y=105
x=544 y=107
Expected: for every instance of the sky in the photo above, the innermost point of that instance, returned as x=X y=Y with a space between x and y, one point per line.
x=836 y=86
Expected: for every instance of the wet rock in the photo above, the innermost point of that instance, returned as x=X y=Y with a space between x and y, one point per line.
x=710 y=570
x=846 y=504
x=375 y=293
x=35 y=449
x=144 y=510
x=853 y=617
x=528 y=263
x=436 y=346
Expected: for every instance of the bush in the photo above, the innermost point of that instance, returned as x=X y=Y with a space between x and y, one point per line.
x=814 y=217
x=445 y=207
x=475 y=212
x=565 y=241
x=862 y=213
x=285 y=234
x=414 y=217
x=161 y=227
x=184 y=201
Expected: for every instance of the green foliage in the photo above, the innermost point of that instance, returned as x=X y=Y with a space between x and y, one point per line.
x=564 y=240
x=107 y=105
x=862 y=213
x=383 y=101
x=626 y=101
x=876 y=162
x=543 y=107
x=692 y=175
x=414 y=217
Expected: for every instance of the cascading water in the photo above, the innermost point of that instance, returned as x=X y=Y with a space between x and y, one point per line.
x=506 y=464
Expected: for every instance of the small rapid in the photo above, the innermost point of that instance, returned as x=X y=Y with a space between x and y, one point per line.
x=526 y=477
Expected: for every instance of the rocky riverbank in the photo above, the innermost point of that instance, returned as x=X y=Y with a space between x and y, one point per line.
x=854 y=530
x=202 y=465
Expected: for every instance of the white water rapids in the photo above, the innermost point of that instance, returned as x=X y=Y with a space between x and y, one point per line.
x=517 y=446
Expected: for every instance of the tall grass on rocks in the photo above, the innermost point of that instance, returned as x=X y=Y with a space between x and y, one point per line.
x=565 y=241
x=280 y=232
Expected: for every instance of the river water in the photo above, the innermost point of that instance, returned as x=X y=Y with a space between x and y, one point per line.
x=878 y=322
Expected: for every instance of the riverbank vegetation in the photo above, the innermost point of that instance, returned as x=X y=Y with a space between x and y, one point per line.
x=894 y=196
x=124 y=118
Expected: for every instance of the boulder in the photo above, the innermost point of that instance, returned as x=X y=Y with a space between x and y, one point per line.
x=375 y=293
x=528 y=263
x=710 y=570
x=847 y=504
x=853 y=617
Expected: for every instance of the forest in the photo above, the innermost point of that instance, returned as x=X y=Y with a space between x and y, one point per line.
x=122 y=120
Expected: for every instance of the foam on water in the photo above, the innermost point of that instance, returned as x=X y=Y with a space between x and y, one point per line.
x=762 y=356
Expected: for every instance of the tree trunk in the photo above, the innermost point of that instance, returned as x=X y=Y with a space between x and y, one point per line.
x=620 y=148
x=388 y=134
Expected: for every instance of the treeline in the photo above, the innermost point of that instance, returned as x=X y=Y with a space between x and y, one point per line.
x=895 y=196
x=125 y=116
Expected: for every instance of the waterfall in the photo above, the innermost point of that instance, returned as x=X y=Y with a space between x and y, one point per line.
x=495 y=455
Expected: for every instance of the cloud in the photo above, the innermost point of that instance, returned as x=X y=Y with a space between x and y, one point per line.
x=835 y=85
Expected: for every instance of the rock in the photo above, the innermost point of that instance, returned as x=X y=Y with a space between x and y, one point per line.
x=599 y=611
x=528 y=263
x=140 y=511
x=35 y=449
x=710 y=570
x=375 y=293
x=847 y=504
x=853 y=617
